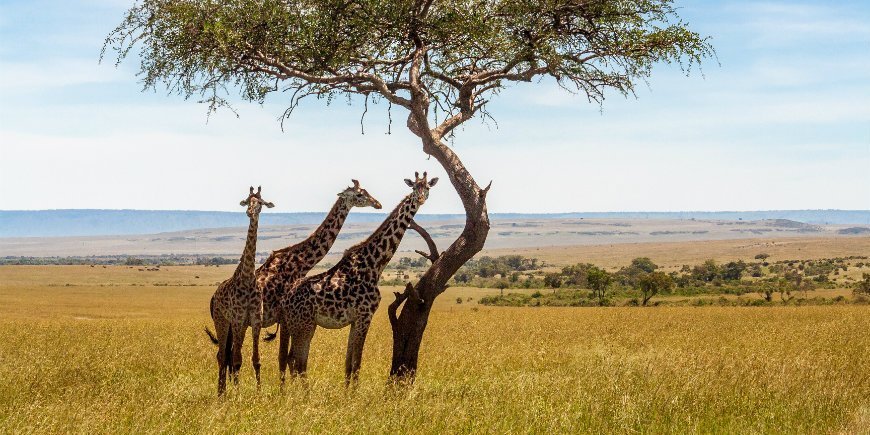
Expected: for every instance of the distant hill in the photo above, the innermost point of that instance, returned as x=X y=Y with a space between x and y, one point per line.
x=85 y=222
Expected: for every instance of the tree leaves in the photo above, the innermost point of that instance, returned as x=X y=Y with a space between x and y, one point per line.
x=470 y=49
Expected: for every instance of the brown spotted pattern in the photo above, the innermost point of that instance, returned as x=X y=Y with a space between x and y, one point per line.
x=238 y=303
x=285 y=266
x=346 y=294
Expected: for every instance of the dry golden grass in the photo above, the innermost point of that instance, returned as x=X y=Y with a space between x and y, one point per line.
x=124 y=358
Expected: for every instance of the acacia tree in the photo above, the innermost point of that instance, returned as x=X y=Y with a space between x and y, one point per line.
x=599 y=280
x=653 y=283
x=440 y=61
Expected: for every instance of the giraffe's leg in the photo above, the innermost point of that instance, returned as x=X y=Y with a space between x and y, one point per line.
x=299 y=348
x=355 y=342
x=283 y=349
x=222 y=331
x=255 y=356
x=238 y=341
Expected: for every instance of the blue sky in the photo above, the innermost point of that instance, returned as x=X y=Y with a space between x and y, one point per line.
x=783 y=123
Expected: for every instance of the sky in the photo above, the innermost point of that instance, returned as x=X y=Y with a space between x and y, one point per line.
x=780 y=120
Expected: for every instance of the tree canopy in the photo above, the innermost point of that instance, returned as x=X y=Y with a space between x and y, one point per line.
x=454 y=53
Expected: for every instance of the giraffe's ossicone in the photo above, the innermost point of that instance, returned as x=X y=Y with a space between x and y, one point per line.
x=238 y=303
x=346 y=294
x=286 y=266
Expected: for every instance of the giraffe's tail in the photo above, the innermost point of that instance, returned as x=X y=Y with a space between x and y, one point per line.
x=271 y=335
x=211 y=336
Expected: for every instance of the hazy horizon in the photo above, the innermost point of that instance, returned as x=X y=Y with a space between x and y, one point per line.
x=385 y=211
x=77 y=222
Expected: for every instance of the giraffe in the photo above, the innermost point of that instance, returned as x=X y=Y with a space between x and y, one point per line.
x=346 y=294
x=285 y=266
x=237 y=303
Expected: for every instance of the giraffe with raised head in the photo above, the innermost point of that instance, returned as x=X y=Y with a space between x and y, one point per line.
x=346 y=294
x=285 y=266
x=238 y=303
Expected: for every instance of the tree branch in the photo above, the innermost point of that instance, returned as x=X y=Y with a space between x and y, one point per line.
x=358 y=80
x=391 y=309
x=410 y=294
x=433 y=254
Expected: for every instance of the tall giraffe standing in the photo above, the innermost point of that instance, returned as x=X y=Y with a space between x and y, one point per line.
x=237 y=303
x=346 y=294
x=285 y=266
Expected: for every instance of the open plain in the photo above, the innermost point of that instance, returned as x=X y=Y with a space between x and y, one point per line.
x=117 y=349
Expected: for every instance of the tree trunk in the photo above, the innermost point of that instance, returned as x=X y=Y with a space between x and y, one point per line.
x=410 y=324
x=407 y=338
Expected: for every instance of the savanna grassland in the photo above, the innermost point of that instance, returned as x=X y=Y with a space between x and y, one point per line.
x=115 y=349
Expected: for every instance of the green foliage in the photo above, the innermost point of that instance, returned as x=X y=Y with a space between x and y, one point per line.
x=706 y=272
x=408 y=262
x=327 y=48
x=630 y=275
x=133 y=261
x=654 y=283
x=632 y=282
x=599 y=280
x=567 y=298
x=644 y=264
x=215 y=261
x=755 y=271
x=553 y=280
x=863 y=286
x=489 y=267
x=733 y=270
x=576 y=276
x=766 y=289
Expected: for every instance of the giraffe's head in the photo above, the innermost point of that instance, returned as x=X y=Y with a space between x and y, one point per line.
x=355 y=196
x=421 y=187
x=254 y=202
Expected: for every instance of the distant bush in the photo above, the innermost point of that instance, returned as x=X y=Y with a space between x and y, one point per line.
x=863 y=286
x=133 y=261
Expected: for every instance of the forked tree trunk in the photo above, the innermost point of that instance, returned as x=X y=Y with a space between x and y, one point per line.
x=410 y=325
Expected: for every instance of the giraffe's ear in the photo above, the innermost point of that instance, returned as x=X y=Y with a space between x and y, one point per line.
x=269 y=204
x=409 y=182
x=433 y=181
x=244 y=203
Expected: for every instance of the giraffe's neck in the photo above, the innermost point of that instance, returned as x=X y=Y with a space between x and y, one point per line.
x=245 y=269
x=321 y=240
x=379 y=248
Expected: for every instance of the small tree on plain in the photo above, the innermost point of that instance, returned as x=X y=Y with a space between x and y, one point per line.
x=654 y=283
x=863 y=286
x=644 y=264
x=766 y=290
x=553 y=280
x=502 y=284
x=733 y=270
x=598 y=280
